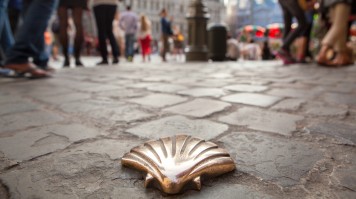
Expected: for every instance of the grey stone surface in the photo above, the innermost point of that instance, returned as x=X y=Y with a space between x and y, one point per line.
x=15 y=122
x=35 y=142
x=60 y=99
x=78 y=172
x=344 y=133
x=9 y=98
x=228 y=191
x=246 y=88
x=262 y=120
x=199 y=107
x=321 y=109
x=159 y=100
x=174 y=125
x=203 y=92
x=127 y=113
x=273 y=159
x=252 y=99
x=63 y=137
x=17 y=107
x=289 y=105
x=296 y=93
x=166 y=88
x=339 y=98
x=345 y=175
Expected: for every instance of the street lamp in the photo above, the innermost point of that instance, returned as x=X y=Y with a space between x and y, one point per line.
x=197 y=17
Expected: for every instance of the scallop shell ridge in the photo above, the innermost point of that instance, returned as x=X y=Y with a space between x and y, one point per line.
x=173 y=163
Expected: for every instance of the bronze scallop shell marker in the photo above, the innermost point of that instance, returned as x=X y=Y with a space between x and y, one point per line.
x=176 y=163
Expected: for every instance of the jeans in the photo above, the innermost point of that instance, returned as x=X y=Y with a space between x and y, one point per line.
x=292 y=9
x=6 y=37
x=104 y=15
x=129 y=45
x=30 y=36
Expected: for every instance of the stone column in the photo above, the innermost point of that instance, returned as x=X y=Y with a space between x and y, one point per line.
x=197 y=17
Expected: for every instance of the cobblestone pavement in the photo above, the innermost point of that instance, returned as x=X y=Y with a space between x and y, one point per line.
x=290 y=130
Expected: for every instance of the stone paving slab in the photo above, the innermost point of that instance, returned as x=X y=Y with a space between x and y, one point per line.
x=246 y=88
x=325 y=110
x=345 y=175
x=15 y=122
x=294 y=93
x=159 y=100
x=175 y=125
x=272 y=159
x=17 y=107
x=77 y=172
x=203 y=92
x=252 y=99
x=289 y=105
x=257 y=119
x=344 y=133
x=35 y=142
x=199 y=108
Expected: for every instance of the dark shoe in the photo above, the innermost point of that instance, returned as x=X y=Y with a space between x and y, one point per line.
x=78 y=63
x=28 y=70
x=103 y=62
x=66 y=63
x=115 y=61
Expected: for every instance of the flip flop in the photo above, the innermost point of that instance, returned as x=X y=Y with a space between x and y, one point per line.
x=27 y=70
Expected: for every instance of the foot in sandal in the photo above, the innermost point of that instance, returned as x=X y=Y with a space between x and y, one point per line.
x=28 y=70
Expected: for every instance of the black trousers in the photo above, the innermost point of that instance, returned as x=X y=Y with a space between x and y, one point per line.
x=104 y=16
x=292 y=9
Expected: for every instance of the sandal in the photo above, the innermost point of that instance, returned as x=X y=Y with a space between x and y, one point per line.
x=27 y=70
x=342 y=59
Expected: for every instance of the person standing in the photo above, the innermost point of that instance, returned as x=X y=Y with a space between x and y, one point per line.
x=105 y=11
x=30 y=39
x=291 y=8
x=145 y=37
x=166 y=33
x=178 y=43
x=77 y=7
x=128 y=23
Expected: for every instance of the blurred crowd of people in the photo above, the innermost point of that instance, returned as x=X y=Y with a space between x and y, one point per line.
x=334 y=17
x=27 y=50
x=35 y=40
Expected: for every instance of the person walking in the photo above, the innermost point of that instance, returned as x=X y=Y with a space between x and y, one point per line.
x=336 y=38
x=30 y=40
x=291 y=8
x=77 y=7
x=128 y=23
x=145 y=37
x=166 y=29
x=105 y=11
